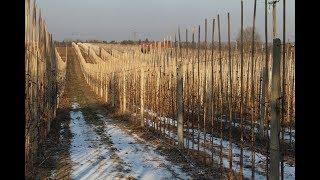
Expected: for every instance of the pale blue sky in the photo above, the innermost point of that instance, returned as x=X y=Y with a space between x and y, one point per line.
x=153 y=19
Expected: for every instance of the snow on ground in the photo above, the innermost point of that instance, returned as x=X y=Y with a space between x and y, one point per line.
x=92 y=159
x=260 y=159
x=173 y=122
x=141 y=157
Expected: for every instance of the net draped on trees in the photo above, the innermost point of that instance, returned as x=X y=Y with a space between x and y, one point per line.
x=44 y=82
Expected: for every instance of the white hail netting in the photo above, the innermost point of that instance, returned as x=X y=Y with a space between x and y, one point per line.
x=92 y=53
x=104 y=55
x=61 y=66
x=87 y=68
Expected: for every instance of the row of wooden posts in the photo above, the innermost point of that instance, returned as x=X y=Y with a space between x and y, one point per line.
x=44 y=82
x=109 y=86
x=165 y=84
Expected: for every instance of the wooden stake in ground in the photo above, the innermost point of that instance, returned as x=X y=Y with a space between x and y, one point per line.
x=142 y=96
x=179 y=97
x=253 y=156
x=230 y=101
x=265 y=88
x=205 y=98
x=187 y=94
x=124 y=91
x=241 y=95
x=262 y=102
x=275 y=112
x=221 y=99
x=264 y=96
x=198 y=94
x=112 y=90
x=284 y=100
x=193 y=83
x=213 y=110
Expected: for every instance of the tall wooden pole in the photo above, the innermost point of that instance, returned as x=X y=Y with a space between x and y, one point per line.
x=275 y=112
x=112 y=90
x=230 y=100
x=284 y=100
x=198 y=94
x=142 y=96
x=212 y=111
x=193 y=84
x=179 y=97
x=205 y=98
x=266 y=86
x=252 y=92
x=221 y=99
x=274 y=18
x=241 y=95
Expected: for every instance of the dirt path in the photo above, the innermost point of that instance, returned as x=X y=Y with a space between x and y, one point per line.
x=85 y=144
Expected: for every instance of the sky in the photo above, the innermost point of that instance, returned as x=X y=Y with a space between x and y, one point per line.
x=156 y=19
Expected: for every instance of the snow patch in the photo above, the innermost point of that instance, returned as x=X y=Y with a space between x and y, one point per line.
x=141 y=158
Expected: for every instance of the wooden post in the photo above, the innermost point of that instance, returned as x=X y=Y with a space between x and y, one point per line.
x=241 y=94
x=179 y=98
x=275 y=112
x=230 y=101
x=193 y=84
x=253 y=156
x=106 y=87
x=157 y=97
x=266 y=76
x=112 y=90
x=205 y=108
x=124 y=92
x=100 y=78
x=221 y=99
x=284 y=100
x=212 y=112
x=142 y=96
x=262 y=101
x=187 y=94
x=274 y=22
x=198 y=93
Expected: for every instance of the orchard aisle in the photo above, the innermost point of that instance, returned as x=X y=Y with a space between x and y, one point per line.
x=124 y=156
x=85 y=144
